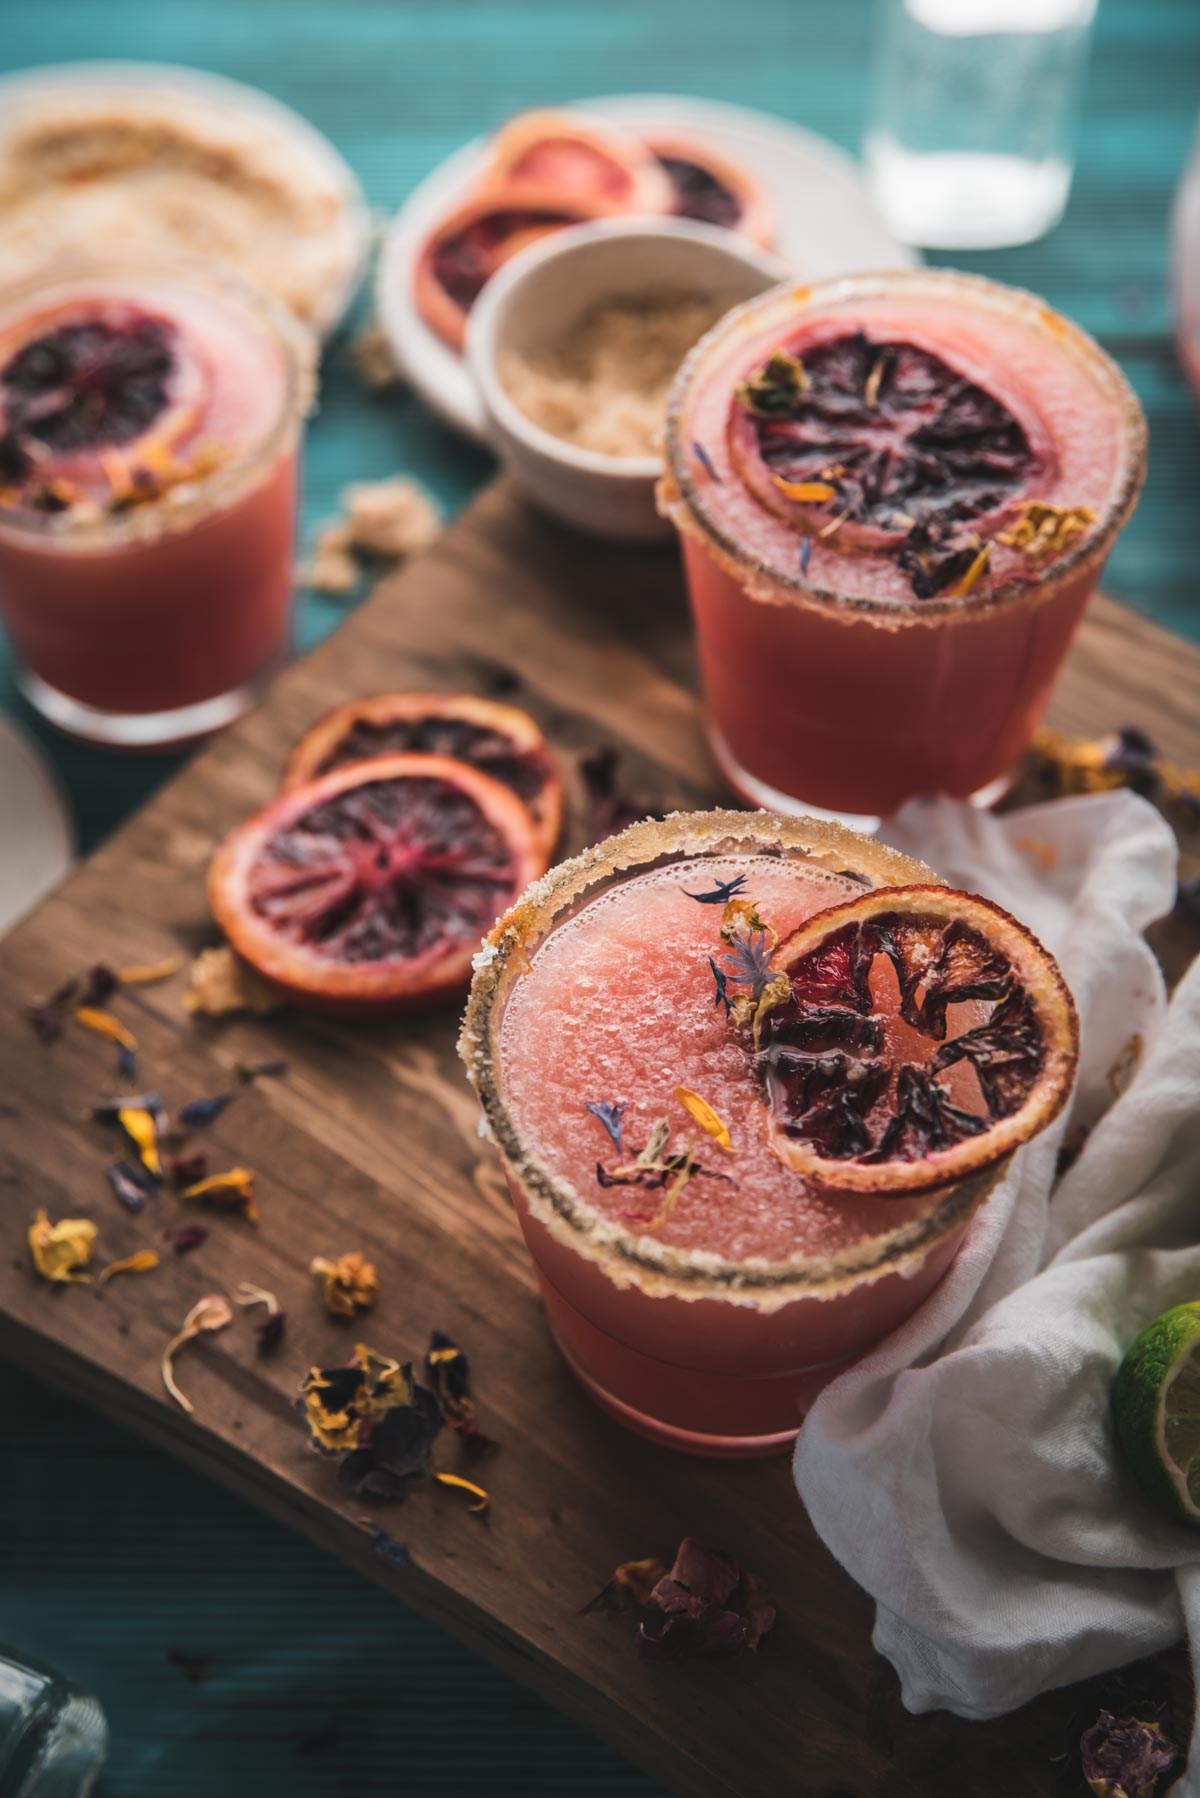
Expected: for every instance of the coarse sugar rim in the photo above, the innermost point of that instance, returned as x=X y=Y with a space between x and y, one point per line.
x=629 y=1259
x=681 y=498
x=178 y=507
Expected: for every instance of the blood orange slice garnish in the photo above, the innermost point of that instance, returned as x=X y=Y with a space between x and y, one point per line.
x=886 y=438
x=714 y=189
x=924 y=1036
x=500 y=740
x=373 y=885
x=464 y=251
x=567 y=154
x=82 y=382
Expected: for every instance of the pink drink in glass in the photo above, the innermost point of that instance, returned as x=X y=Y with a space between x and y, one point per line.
x=713 y=1331
x=877 y=613
x=150 y=424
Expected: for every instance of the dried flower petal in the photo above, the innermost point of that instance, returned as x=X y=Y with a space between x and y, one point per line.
x=1123 y=1069
x=213 y=1312
x=805 y=552
x=141 y=1263
x=1042 y=530
x=246 y=1072
x=610 y=1113
x=395 y=1553
x=104 y=1024
x=630 y=1585
x=61 y=1251
x=152 y=971
x=706 y=1117
x=706 y=462
x=231 y=1191
x=1123 y=1757
x=132 y=1184
x=482 y=1498
x=221 y=985
x=186 y=1238
x=187 y=1170
x=270 y=1330
x=720 y=894
x=449 y=1374
x=348 y=1285
x=336 y=1401
x=814 y=493
x=202 y=1111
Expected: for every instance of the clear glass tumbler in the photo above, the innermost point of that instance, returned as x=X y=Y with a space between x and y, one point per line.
x=972 y=139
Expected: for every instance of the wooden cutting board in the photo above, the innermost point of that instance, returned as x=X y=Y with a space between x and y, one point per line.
x=370 y=1142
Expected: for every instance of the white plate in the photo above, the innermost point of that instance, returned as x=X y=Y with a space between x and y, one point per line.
x=828 y=223
x=34 y=827
x=303 y=139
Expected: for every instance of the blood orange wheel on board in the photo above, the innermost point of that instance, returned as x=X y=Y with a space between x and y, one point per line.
x=500 y=740
x=713 y=189
x=464 y=251
x=374 y=885
x=925 y=1035
x=570 y=155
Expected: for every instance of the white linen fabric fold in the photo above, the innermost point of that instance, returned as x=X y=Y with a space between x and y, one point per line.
x=965 y=1472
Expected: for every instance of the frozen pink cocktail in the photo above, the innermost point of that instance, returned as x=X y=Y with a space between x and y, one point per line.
x=713 y=1325
x=149 y=433
x=895 y=495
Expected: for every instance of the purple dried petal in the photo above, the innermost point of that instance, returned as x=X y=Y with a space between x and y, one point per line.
x=706 y=1572
x=100 y=983
x=126 y=1062
x=720 y=894
x=395 y=1553
x=203 y=1111
x=132 y=1186
x=270 y=1331
x=1123 y=1757
x=805 y=553
x=687 y=1638
x=186 y=1238
x=757 y=1610
x=610 y=1113
x=706 y=462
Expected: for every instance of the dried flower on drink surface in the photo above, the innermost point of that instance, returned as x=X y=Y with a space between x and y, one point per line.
x=702 y=1112
x=349 y=1284
x=610 y=1113
x=721 y=893
x=61 y=1252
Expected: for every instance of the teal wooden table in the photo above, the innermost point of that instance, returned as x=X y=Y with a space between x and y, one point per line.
x=229 y=1656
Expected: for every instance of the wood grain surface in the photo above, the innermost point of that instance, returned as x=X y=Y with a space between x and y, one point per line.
x=370 y=1143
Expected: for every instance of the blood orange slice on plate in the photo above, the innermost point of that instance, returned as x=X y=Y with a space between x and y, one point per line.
x=571 y=155
x=714 y=189
x=924 y=1036
x=500 y=740
x=374 y=885
x=464 y=251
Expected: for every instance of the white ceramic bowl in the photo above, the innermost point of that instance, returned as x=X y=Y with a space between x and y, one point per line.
x=536 y=298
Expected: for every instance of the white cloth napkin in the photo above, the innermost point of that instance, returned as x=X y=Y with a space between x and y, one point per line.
x=965 y=1472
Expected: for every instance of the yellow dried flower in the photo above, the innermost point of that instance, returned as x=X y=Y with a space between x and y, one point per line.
x=141 y=1263
x=61 y=1251
x=348 y=1285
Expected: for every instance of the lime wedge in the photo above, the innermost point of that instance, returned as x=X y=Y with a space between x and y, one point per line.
x=1156 y=1407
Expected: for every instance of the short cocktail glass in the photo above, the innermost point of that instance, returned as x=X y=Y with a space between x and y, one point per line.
x=714 y=1332
x=150 y=425
x=894 y=494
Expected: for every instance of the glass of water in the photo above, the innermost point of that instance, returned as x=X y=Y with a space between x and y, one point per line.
x=972 y=144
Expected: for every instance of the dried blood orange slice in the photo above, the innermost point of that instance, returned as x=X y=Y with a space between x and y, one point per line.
x=925 y=1035
x=714 y=189
x=103 y=378
x=374 y=885
x=885 y=436
x=464 y=251
x=567 y=154
x=498 y=739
